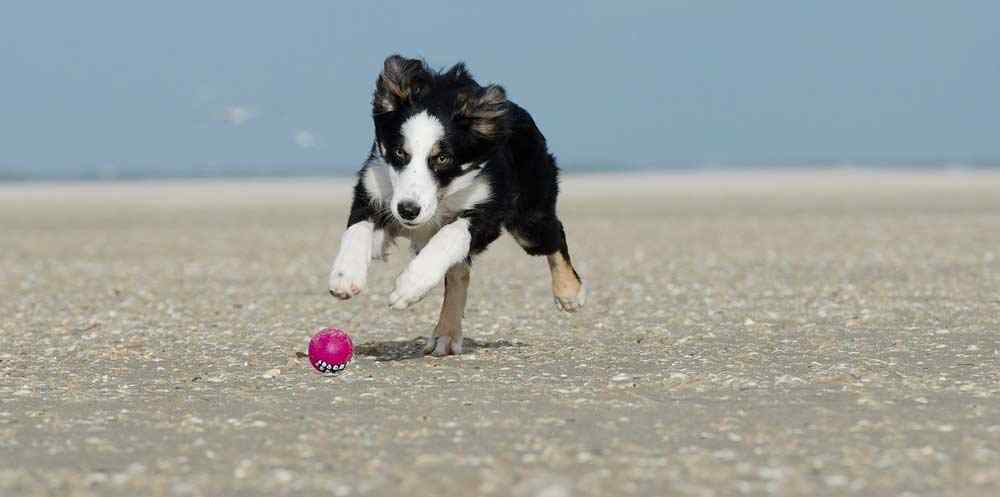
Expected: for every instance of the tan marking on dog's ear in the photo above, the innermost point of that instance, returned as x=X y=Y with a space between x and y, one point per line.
x=402 y=80
x=486 y=109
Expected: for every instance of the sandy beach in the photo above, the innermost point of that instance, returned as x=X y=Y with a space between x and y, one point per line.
x=769 y=333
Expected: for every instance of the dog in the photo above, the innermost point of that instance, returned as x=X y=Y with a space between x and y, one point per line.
x=453 y=165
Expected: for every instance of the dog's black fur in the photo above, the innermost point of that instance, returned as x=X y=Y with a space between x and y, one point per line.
x=482 y=127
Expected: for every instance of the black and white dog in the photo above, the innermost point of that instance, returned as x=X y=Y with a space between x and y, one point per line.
x=453 y=164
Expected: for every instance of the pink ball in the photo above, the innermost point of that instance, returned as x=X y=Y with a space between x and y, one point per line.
x=330 y=350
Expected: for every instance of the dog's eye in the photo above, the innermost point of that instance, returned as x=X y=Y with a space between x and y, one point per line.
x=442 y=159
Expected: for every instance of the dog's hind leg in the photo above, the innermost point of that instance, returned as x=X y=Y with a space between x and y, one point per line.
x=447 y=338
x=545 y=236
x=568 y=290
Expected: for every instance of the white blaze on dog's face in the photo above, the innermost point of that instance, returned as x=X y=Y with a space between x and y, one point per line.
x=414 y=187
x=434 y=132
x=422 y=175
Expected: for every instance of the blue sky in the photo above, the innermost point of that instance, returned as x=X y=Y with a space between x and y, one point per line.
x=165 y=84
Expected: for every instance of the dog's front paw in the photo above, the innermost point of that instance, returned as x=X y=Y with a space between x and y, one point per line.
x=411 y=286
x=346 y=282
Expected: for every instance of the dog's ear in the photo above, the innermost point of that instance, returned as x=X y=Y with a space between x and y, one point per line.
x=485 y=108
x=458 y=75
x=402 y=81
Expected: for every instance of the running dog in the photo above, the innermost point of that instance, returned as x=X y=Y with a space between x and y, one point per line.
x=453 y=164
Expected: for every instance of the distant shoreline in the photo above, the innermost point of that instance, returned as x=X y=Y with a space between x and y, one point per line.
x=772 y=183
x=21 y=174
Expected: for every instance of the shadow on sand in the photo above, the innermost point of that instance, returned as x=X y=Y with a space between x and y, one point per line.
x=401 y=350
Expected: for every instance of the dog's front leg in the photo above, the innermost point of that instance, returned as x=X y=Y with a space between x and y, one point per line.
x=449 y=246
x=350 y=267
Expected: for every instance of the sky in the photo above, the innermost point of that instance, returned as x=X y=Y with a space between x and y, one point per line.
x=154 y=86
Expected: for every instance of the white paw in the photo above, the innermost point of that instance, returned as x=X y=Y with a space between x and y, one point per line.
x=346 y=282
x=440 y=346
x=411 y=286
x=572 y=303
x=350 y=267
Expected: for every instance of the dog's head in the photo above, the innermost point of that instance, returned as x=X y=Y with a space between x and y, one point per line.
x=432 y=128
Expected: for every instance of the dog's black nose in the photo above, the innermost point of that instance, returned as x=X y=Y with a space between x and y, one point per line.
x=408 y=210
